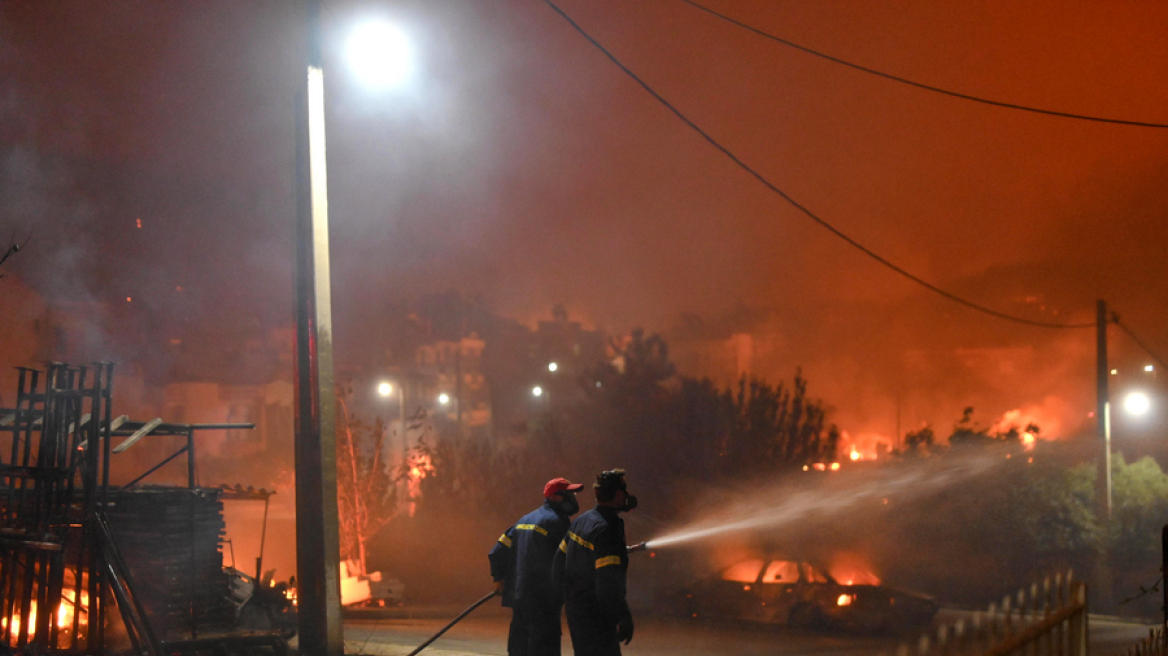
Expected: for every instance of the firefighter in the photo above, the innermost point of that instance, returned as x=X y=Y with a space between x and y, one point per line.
x=591 y=565
x=521 y=565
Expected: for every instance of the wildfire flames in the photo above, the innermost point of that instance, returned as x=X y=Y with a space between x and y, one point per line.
x=420 y=466
x=63 y=621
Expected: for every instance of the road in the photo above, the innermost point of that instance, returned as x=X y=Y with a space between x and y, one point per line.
x=485 y=634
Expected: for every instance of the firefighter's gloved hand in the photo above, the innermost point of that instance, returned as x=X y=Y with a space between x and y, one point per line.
x=499 y=587
x=624 y=629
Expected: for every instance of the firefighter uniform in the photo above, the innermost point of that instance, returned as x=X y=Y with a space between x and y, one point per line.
x=522 y=558
x=591 y=565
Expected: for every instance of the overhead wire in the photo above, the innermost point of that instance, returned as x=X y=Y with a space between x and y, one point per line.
x=921 y=85
x=796 y=204
x=1135 y=338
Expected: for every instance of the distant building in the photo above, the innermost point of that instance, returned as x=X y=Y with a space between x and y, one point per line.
x=449 y=382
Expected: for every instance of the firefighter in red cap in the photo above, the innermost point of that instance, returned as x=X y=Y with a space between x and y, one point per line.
x=521 y=565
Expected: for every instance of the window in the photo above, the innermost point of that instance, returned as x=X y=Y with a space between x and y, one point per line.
x=781 y=571
x=744 y=572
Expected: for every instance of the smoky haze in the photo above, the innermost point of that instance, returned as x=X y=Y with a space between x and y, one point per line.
x=148 y=150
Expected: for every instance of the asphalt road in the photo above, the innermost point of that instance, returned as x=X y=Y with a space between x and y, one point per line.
x=485 y=634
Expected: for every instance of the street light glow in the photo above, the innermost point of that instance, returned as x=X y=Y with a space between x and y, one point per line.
x=552 y=366
x=1149 y=367
x=385 y=389
x=380 y=54
x=1137 y=403
x=444 y=398
x=537 y=391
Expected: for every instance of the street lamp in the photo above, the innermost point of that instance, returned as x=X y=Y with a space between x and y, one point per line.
x=385 y=389
x=380 y=54
x=537 y=391
x=317 y=531
x=1137 y=403
x=444 y=398
x=552 y=366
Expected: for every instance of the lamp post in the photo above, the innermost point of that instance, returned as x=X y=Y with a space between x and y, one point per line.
x=317 y=536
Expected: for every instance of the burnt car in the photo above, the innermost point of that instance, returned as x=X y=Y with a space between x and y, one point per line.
x=801 y=595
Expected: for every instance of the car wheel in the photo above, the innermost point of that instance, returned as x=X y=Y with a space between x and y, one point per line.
x=805 y=616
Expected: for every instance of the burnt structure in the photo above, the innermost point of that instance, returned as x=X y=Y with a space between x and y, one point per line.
x=87 y=567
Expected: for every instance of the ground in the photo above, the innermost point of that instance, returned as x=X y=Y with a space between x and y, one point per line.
x=485 y=634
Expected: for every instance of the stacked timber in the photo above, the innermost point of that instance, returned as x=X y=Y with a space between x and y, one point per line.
x=171 y=540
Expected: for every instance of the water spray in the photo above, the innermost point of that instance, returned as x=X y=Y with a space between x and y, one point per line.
x=786 y=505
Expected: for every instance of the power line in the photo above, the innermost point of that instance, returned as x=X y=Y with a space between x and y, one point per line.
x=921 y=85
x=794 y=203
x=1138 y=341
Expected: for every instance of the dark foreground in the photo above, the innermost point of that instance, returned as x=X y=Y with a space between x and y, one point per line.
x=485 y=633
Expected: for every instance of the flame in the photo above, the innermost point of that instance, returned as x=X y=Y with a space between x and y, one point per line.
x=850 y=569
x=845 y=600
x=62 y=621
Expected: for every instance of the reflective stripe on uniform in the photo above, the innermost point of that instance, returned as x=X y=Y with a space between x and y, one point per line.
x=581 y=541
x=607 y=560
x=505 y=540
x=531 y=527
x=564 y=546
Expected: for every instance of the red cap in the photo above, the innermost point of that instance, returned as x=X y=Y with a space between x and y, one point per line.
x=557 y=485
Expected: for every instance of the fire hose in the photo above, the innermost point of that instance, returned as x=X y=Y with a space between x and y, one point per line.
x=636 y=547
x=454 y=621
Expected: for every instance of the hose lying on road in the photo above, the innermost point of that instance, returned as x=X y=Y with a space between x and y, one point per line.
x=454 y=621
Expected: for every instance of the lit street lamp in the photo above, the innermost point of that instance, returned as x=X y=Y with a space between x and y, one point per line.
x=1137 y=403
x=317 y=534
x=552 y=366
x=537 y=391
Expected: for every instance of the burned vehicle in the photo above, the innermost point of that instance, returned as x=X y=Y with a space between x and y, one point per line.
x=803 y=595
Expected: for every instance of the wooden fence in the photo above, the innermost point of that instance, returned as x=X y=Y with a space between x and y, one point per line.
x=1048 y=619
x=1154 y=645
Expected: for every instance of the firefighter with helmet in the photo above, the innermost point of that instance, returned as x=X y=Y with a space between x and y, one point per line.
x=591 y=566
x=521 y=565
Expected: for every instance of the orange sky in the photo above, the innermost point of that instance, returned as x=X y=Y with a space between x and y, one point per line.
x=522 y=166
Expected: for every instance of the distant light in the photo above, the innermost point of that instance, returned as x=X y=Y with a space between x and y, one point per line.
x=598 y=383
x=1137 y=403
x=385 y=389
x=844 y=600
x=139 y=222
x=835 y=466
x=854 y=455
x=1114 y=372
x=537 y=391
x=552 y=366
x=444 y=398
x=380 y=54
x=129 y=300
x=1148 y=367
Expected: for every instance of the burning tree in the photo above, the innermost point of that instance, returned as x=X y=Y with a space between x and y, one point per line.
x=366 y=491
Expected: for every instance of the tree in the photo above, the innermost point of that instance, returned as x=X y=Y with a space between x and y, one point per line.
x=366 y=493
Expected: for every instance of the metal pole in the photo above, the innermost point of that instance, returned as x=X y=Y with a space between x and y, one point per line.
x=317 y=540
x=1103 y=578
x=1164 y=583
x=1102 y=414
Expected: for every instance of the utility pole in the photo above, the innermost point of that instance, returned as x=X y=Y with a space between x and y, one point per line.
x=317 y=537
x=1102 y=414
x=1103 y=578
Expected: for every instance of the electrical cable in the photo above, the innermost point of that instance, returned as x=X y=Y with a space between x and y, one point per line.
x=921 y=85
x=794 y=203
x=1138 y=341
